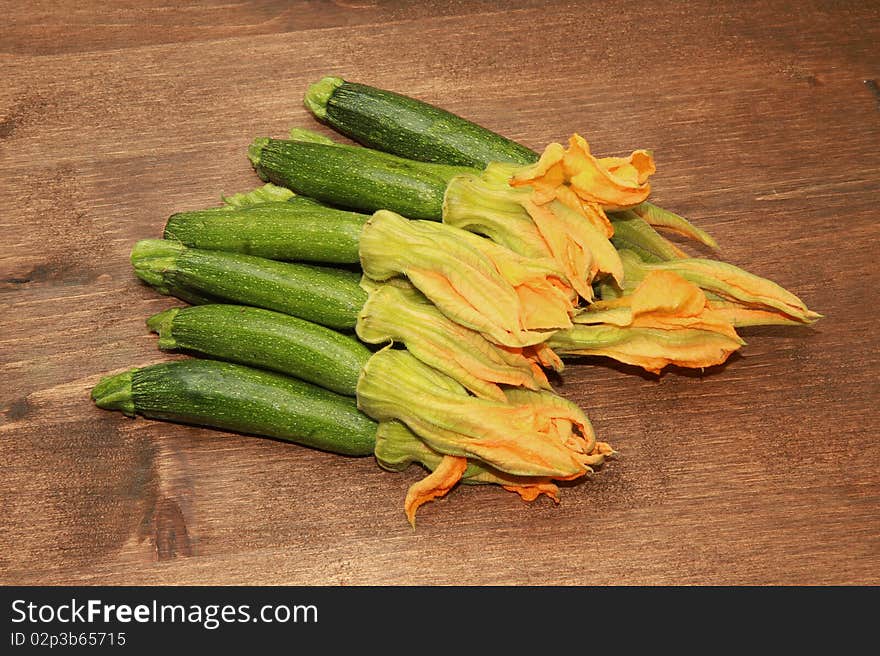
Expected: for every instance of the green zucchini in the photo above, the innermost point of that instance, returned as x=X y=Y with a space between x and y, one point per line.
x=444 y=171
x=265 y=339
x=330 y=297
x=408 y=127
x=401 y=125
x=296 y=229
x=353 y=177
x=243 y=399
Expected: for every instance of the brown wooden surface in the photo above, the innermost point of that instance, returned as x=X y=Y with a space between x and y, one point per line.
x=764 y=471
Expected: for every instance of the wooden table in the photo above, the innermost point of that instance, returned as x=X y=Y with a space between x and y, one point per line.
x=765 y=124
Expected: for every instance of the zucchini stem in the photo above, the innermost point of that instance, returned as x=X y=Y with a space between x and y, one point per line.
x=161 y=324
x=152 y=257
x=318 y=95
x=115 y=393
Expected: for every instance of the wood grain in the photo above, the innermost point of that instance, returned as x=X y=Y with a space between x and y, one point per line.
x=763 y=471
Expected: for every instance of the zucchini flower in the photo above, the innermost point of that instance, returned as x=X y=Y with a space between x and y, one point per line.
x=593 y=186
x=397 y=312
x=742 y=298
x=531 y=434
x=511 y=299
x=397 y=447
x=487 y=204
x=587 y=184
x=554 y=208
x=666 y=320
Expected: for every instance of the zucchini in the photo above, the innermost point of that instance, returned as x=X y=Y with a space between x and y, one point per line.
x=243 y=399
x=444 y=171
x=330 y=297
x=408 y=127
x=417 y=130
x=265 y=339
x=296 y=229
x=353 y=177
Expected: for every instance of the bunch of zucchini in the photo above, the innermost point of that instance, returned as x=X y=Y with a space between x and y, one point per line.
x=276 y=297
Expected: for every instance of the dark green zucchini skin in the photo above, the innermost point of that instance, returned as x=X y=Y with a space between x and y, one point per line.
x=265 y=339
x=298 y=229
x=327 y=296
x=444 y=171
x=398 y=124
x=356 y=178
x=238 y=398
x=411 y=128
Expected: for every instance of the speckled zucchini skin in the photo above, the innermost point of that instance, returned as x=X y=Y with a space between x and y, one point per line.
x=323 y=295
x=355 y=178
x=298 y=229
x=408 y=127
x=265 y=339
x=244 y=399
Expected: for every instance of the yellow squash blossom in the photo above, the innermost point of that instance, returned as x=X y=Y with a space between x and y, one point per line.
x=487 y=204
x=586 y=183
x=397 y=447
x=511 y=299
x=397 y=312
x=666 y=320
x=530 y=433
x=554 y=208
x=738 y=296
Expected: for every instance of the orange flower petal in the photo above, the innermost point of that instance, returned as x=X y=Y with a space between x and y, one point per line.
x=665 y=320
x=649 y=348
x=434 y=485
x=612 y=182
x=581 y=247
x=741 y=287
x=545 y=176
x=543 y=308
x=531 y=491
x=666 y=293
x=636 y=168
x=544 y=356
x=397 y=447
